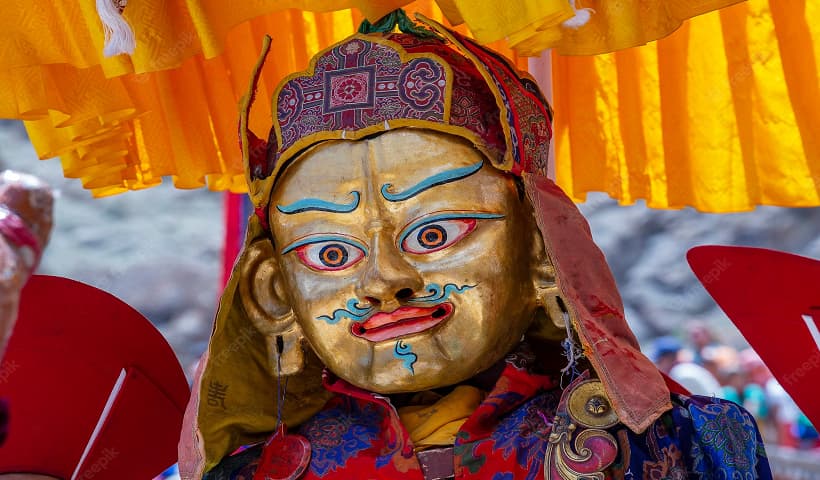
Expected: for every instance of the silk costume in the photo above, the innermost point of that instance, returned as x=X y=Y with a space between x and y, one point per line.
x=359 y=435
x=433 y=78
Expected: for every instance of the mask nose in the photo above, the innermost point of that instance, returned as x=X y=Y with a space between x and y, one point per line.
x=388 y=279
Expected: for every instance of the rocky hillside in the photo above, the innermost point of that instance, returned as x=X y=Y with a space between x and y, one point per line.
x=159 y=250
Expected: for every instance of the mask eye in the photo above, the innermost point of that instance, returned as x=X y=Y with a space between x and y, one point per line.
x=437 y=235
x=329 y=255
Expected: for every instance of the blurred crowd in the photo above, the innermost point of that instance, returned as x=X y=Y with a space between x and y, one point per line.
x=706 y=366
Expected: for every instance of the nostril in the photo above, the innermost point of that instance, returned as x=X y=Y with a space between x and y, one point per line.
x=404 y=294
x=373 y=301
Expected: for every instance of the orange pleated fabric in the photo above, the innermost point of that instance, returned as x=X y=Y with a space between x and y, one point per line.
x=722 y=115
x=119 y=131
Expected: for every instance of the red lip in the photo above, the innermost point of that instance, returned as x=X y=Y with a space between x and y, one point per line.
x=402 y=321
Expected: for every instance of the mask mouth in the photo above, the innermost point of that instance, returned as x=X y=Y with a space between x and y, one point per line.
x=402 y=321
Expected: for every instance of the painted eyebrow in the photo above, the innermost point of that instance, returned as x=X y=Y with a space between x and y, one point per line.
x=430 y=182
x=319 y=205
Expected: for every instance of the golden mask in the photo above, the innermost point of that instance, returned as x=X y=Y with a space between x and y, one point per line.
x=406 y=260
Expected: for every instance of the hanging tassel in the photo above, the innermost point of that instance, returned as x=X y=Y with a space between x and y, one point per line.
x=582 y=16
x=119 y=38
x=572 y=353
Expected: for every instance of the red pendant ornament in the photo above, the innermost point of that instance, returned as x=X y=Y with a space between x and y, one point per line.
x=285 y=456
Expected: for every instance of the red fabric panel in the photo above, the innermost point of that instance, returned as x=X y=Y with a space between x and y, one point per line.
x=635 y=386
x=774 y=299
x=70 y=344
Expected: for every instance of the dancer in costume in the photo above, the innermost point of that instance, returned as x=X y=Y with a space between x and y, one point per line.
x=26 y=204
x=416 y=299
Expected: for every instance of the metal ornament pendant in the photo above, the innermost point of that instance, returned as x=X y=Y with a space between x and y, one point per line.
x=579 y=446
x=284 y=457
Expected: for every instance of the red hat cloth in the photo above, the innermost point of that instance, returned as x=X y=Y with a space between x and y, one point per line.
x=94 y=390
x=774 y=299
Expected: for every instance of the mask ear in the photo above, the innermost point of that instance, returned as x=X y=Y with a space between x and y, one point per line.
x=553 y=316
x=266 y=305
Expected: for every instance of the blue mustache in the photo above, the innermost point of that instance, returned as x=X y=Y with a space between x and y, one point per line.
x=437 y=294
x=359 y=311
x=404 y=352
x=353 y=310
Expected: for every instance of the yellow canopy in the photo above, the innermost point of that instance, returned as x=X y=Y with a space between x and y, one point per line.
x=722 y=115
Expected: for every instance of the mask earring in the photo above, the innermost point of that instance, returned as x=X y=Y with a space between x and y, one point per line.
x=285 y=456
x=560 y=320
x=555 y=308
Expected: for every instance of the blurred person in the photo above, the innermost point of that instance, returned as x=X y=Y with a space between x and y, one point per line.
x=666 y=353
x=788 y=425
x=26 y=204
x=739 y=389
x=751 y=362
x=753 y=394
x=696 y=379
x=743 y=376
x=700 y=337
x=805 y=433
x=25 y=224
x=56 y=373
x=720 y=360
x=785 y=413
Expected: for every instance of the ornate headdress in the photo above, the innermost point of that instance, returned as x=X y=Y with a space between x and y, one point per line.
x=429 y=79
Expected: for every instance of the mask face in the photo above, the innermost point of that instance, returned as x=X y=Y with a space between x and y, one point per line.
x=406 y=258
